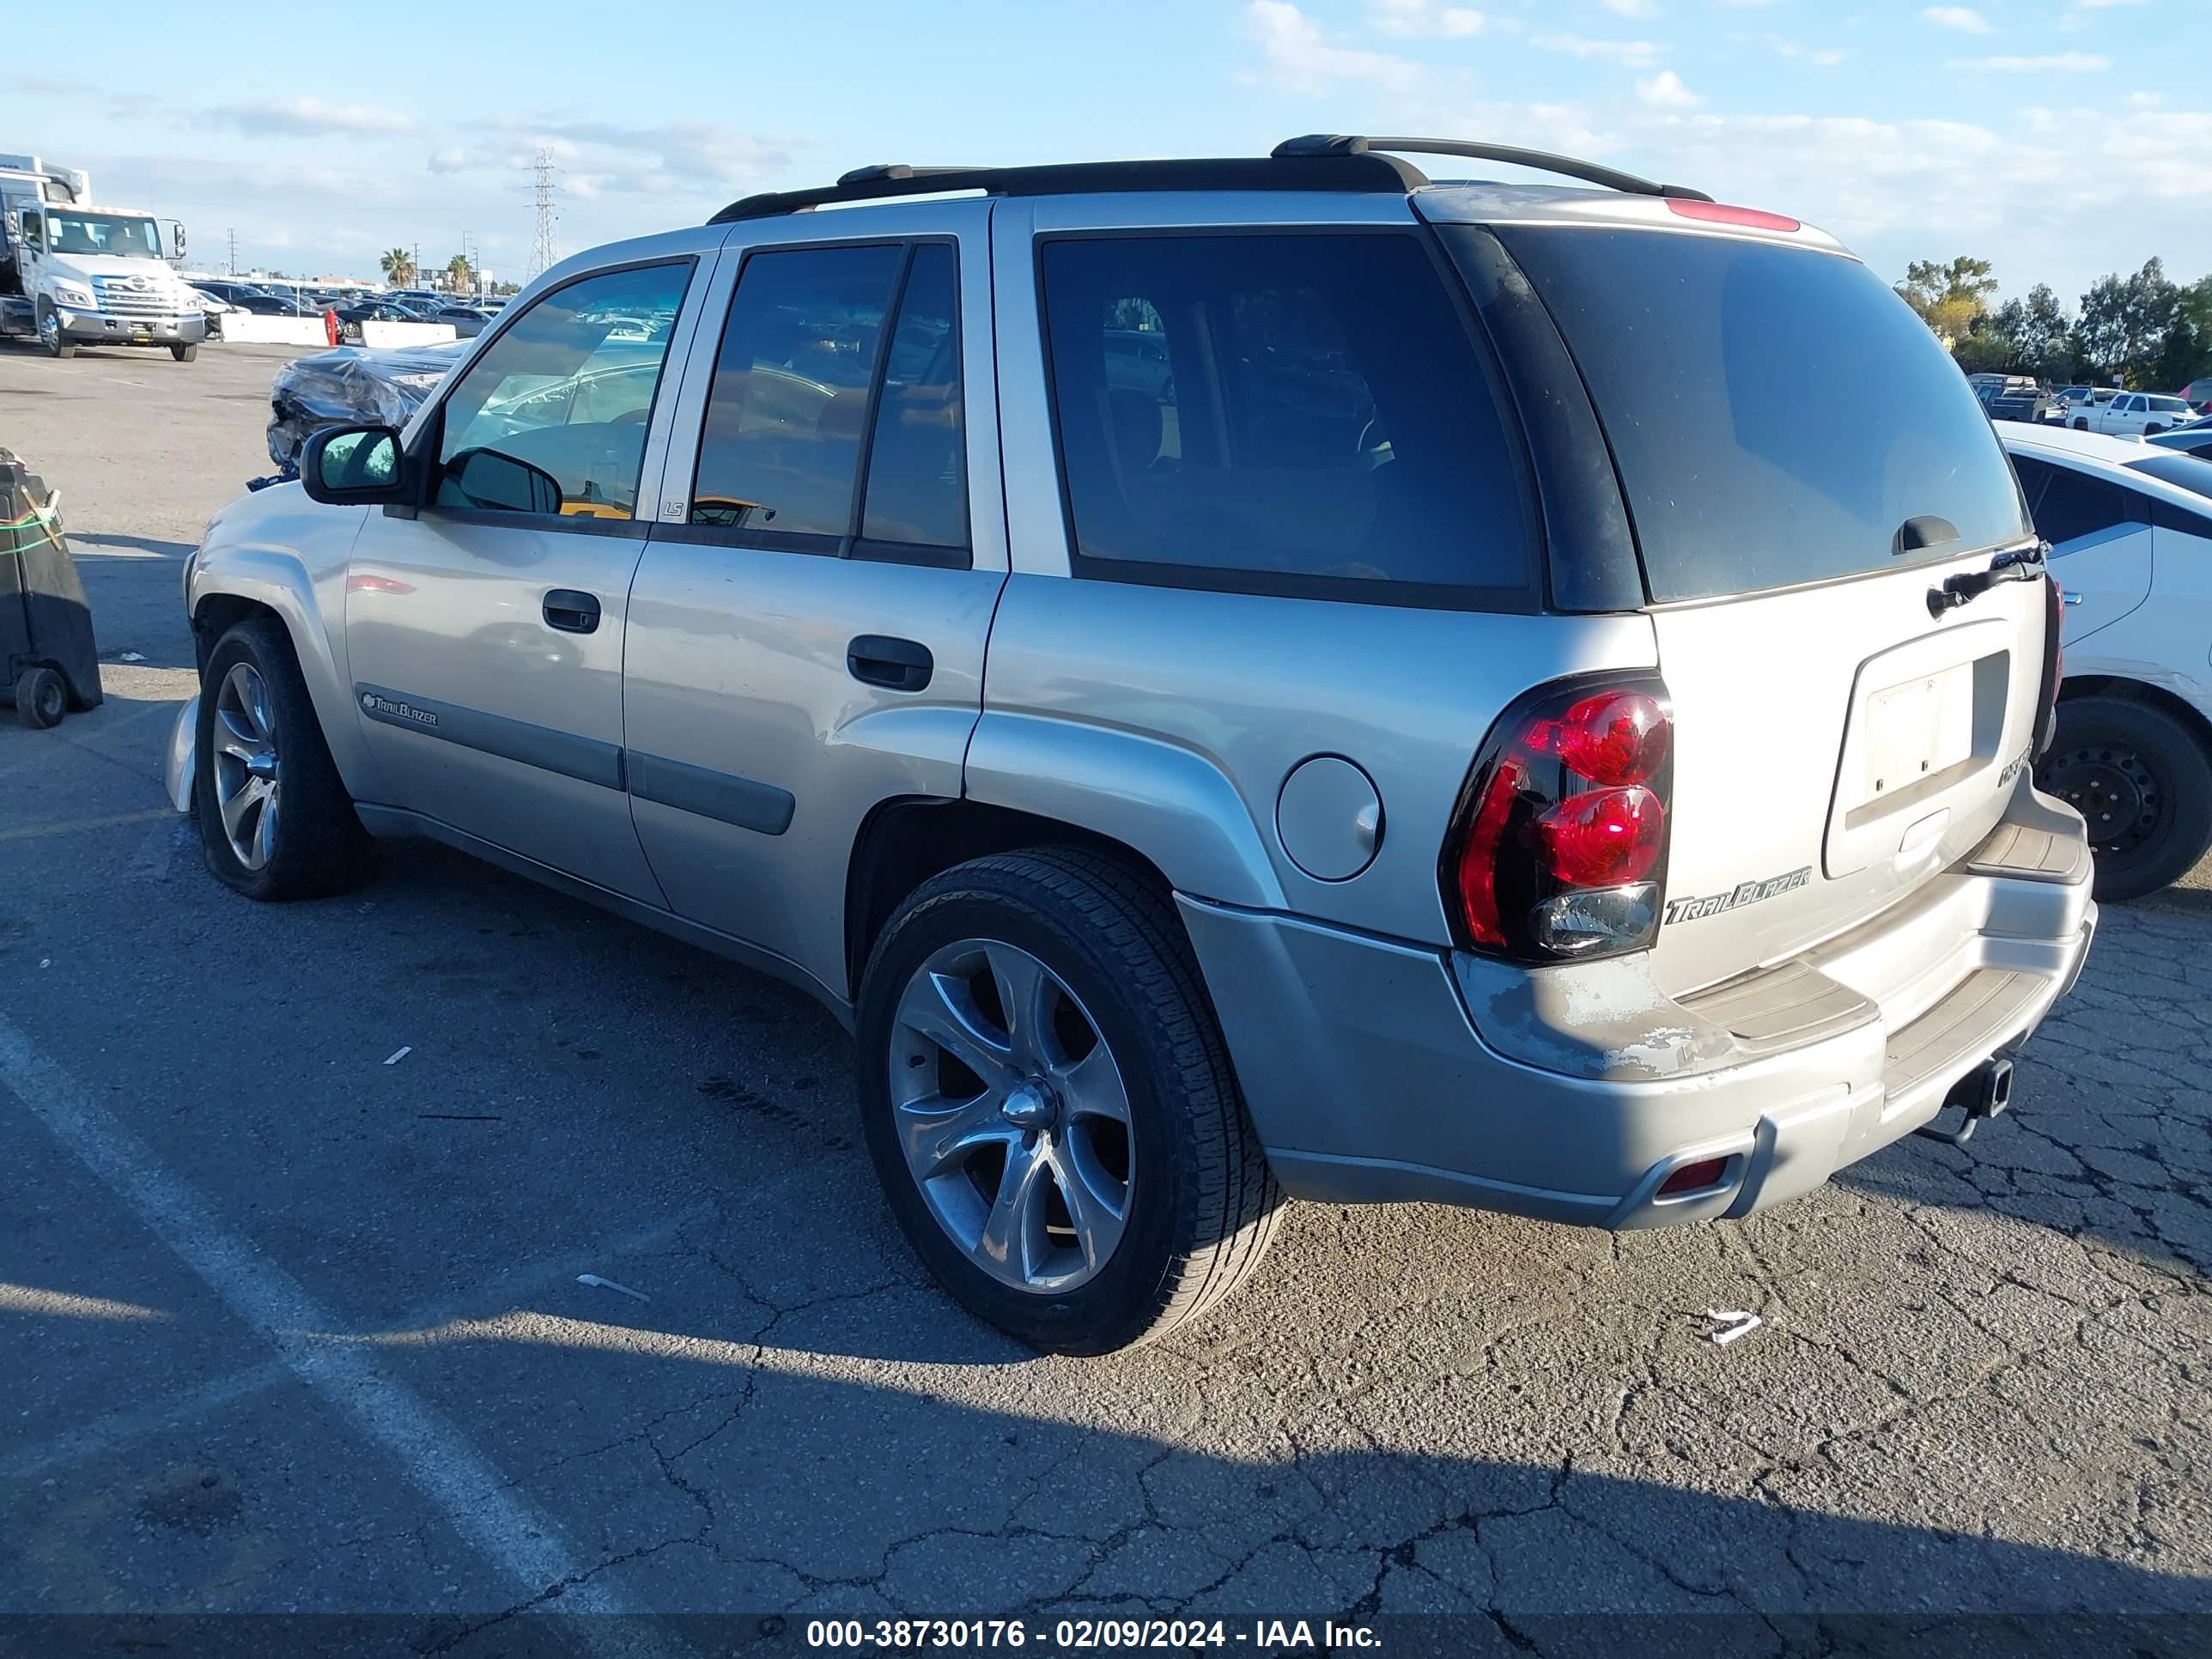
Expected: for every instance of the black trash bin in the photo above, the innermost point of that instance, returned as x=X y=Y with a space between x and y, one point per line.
x=48 y=662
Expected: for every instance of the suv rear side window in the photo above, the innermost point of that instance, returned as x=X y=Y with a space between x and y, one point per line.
x=1776 y=413
x=1295 y=413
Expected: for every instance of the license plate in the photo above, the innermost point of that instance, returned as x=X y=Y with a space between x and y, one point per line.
x=1918 y=729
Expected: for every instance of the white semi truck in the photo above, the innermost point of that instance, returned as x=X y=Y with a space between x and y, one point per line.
x=73 y=273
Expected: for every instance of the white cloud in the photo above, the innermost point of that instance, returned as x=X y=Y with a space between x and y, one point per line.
x=1630 y=54
x=1298 y=58
x=1414 y=19
x=302 y=118
x=2145 y=99
x=1963 y=18
x=1633 y=8
x=2103 y=5
x=2066 y=63
x=1665 y=90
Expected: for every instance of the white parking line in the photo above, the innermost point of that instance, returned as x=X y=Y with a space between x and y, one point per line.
x=506 y=1531
x=117 y=1429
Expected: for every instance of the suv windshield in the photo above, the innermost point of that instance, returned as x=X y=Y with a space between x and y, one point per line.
x=123 y=234
x=1777 y=414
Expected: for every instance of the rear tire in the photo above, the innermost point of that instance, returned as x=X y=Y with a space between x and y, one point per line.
x=2141 y=780
x=2080 y=426
x=41 y=698
x=275 y=821
x=1198 y=1205
x=183 y=354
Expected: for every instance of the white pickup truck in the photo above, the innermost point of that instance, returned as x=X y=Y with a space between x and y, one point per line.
x=2130 y=414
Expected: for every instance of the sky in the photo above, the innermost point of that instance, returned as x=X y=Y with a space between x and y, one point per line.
x=2060 y=138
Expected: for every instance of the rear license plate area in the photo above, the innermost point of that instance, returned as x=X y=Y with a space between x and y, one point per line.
x=1917 y=731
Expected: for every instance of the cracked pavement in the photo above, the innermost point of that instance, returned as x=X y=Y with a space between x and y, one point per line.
x=1981 y=1385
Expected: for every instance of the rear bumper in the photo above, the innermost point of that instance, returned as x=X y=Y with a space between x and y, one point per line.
x=1376 y=1071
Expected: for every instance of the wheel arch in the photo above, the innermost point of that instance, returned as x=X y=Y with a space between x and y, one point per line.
x=2120 y=688
x=236 y=585
x=907 y=840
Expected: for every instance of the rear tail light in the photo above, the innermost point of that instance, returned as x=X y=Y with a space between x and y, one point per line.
x=2054 y=665
x=1558 y=848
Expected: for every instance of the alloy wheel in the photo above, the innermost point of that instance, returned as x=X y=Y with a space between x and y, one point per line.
x=1013 y=1114
x=248 y=778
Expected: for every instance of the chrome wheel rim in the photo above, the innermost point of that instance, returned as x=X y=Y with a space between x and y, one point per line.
x=1013 y=1114
x=248 y=780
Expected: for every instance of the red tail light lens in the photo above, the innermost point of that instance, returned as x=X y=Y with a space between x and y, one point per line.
x=1614 y=737
x=1603 y=839
x=2054 y=667
x=1558 y=847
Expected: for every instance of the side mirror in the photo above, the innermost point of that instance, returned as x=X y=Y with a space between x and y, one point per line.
x=176 y=239
x=353 y=466
x=490 y=482
x=33 y=226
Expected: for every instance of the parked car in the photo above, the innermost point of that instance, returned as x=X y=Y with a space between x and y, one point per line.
x=214 y=306
x=352 y=316
x=1291 y=777
x=466 y=321
x=247 y=298
x=2130 y=529
x=2131 y=414
x=2193 y=438
x=2198 y=394
x=2017 y=397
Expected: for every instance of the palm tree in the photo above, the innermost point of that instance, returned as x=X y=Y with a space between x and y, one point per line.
x=399 y=266
x=459 y=273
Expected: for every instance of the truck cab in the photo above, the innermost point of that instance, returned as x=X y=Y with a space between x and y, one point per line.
x=73 y=273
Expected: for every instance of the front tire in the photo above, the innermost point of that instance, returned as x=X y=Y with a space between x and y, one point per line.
x=183 y=354
x=1049 y=1104
x=275 y=821
x=50 y=333
x=2140 y=779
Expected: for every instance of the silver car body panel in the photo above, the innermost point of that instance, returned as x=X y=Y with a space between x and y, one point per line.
x=738 y=656
x=705 y=762
x=480 y=713
x=1378 y=1071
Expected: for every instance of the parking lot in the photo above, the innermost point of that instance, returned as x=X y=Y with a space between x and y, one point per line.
x=294 y=1320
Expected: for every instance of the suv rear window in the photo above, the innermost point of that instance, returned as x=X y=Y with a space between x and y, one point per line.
x=1298 y=413
x=1777 y=414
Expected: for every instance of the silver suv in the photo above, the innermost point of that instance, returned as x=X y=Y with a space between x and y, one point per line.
x=1234 y=678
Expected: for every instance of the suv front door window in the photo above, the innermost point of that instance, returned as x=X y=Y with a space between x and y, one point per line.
x=486 y=631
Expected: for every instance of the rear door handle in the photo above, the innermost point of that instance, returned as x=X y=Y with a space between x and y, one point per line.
x=896 y=664
x=572 y=612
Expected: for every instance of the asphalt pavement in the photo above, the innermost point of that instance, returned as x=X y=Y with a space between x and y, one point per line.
x=294 y=1322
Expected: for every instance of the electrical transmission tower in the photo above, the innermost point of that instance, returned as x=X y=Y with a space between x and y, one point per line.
x=544 y=252
x=234 y=252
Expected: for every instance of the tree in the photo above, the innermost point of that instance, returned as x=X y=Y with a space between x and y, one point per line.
x=459 y=273
x=399 y=266
x=2127 y=323
x=1948 y=296
x=2044 y=333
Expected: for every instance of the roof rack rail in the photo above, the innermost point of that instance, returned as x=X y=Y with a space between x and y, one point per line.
x=1316 y=145
x=1348 y=170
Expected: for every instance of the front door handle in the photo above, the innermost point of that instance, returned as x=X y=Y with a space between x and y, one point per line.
x=572 y=612
x=896 y=664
